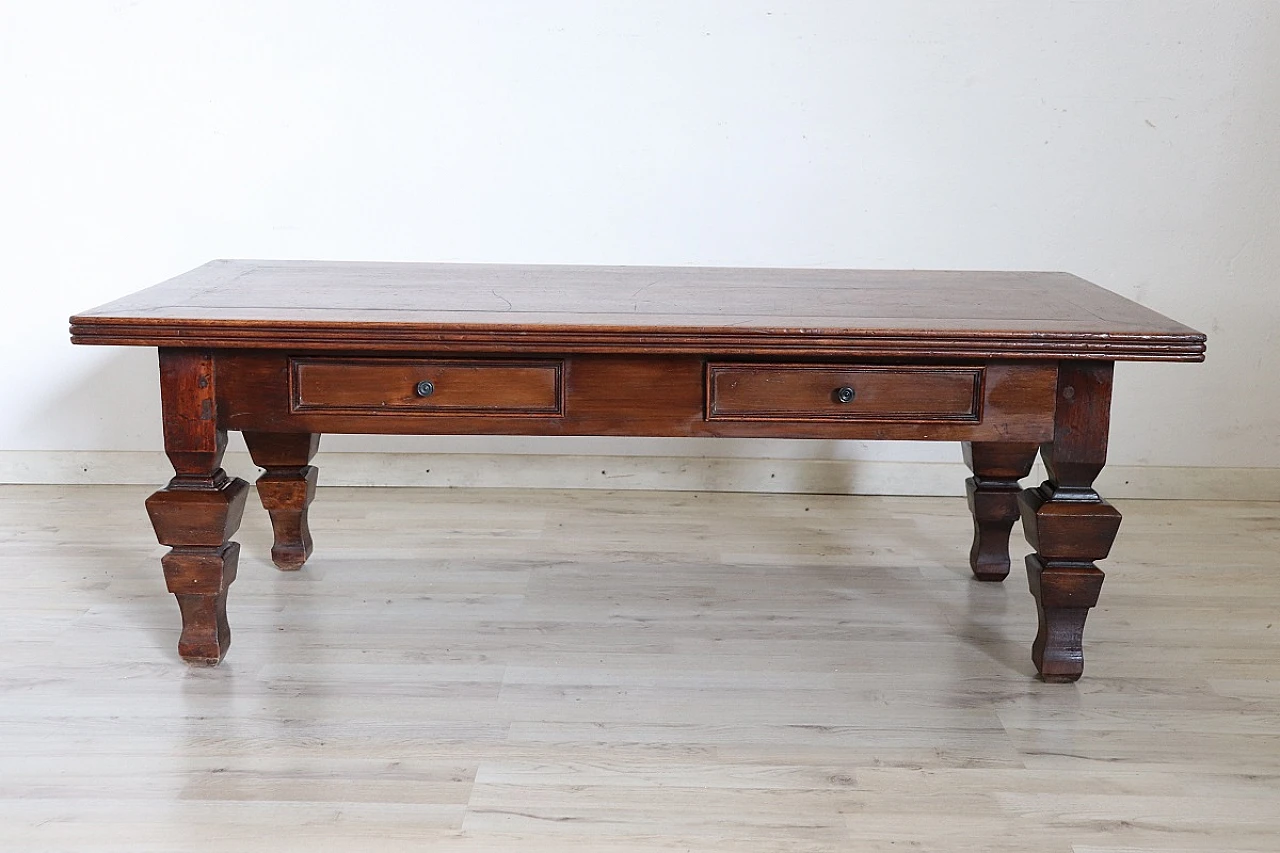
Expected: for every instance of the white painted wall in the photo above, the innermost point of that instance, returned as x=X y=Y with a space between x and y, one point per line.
x=1134 y=143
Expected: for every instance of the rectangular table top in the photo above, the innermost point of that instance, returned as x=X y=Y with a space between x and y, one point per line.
x=402 y=307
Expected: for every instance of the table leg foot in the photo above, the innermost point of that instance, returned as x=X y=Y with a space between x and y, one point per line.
x=993 y=500
x=1069 y=530
x=206 y=636
x=1063 y=598
x=286 y=489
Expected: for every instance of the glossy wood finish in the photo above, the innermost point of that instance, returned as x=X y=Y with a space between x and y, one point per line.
x=634 y=672
x=993 y=501
x=199 y=511
x=286 y=488
x=812 y=392
x=1002 y=361
x=1067 y=522
x=478 y=308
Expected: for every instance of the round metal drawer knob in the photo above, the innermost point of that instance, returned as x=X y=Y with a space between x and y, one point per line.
x=425 y=389
x=845 y=394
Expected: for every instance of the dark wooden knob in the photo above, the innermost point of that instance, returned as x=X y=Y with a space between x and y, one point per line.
x=845 y=394
x=425 y=389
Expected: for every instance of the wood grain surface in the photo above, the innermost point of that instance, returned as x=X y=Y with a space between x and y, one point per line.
x=574 y=672
x=322 y=305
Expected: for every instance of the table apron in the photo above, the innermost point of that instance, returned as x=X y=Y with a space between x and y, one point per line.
x=634 y=395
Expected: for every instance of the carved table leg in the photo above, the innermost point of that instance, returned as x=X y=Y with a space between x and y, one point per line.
x=286 y=490
x=1066 y=521
x=993 y=499
x=199 y=511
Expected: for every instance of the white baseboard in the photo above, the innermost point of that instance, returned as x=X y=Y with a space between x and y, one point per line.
x=675 y=473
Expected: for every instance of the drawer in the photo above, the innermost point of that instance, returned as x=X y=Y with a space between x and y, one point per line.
x=821 y=392
x=426 y=386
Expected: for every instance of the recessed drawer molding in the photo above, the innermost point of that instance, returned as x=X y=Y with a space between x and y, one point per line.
x=426 y=386
x=823 y=392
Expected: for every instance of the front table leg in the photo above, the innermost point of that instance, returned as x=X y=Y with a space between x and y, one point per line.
x=1066 y=521
x=286 y=489
x=200 y=509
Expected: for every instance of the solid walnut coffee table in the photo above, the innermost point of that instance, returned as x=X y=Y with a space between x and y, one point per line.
x=1007 y=362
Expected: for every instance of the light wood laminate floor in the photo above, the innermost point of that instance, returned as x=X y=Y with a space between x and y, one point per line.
x=468 y=670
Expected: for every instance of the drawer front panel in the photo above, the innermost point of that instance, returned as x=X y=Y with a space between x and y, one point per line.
x=426 y=386
x=809 y=392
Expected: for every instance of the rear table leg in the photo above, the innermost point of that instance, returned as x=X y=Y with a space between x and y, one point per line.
x=993 y=499
x=286 y=489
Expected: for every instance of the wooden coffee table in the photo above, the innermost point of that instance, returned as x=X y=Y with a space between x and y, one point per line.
x=1006 y=362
